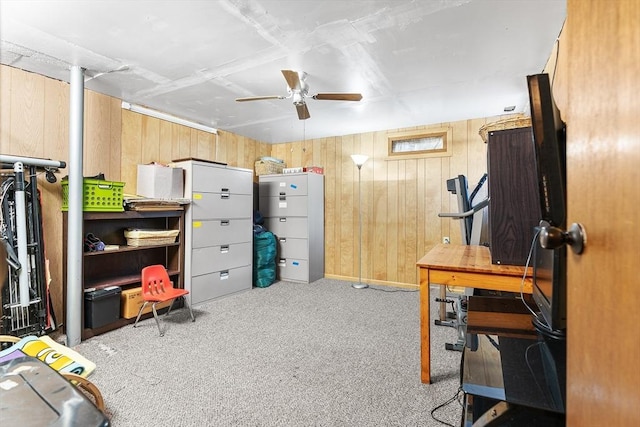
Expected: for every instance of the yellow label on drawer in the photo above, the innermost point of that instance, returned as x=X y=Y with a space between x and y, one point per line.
x=197 y=196
x=197 y=224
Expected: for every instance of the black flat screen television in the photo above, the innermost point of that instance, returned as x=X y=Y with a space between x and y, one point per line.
x=550 y=288
x=549 y=140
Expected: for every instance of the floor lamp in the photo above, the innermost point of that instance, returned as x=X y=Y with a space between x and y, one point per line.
x=359 y=160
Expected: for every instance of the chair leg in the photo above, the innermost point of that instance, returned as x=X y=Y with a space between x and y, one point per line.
x=155 y=315
x=140 y=313
x=193 y=319
x=170 y=307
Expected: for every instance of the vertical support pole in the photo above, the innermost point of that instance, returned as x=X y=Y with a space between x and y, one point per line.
x=73 y=319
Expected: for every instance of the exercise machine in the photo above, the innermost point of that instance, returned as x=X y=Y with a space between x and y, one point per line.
x=26 y=308
x=472 y=218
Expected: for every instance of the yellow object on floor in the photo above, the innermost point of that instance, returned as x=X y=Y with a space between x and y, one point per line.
x=59 y=357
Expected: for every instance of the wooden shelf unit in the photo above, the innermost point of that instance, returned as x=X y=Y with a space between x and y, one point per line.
x=122 y=267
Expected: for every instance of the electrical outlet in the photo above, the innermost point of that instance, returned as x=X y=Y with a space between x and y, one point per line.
x=446 y=240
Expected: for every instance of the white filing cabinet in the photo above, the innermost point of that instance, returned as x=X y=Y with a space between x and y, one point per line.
x=292 y=206
x=218 y=229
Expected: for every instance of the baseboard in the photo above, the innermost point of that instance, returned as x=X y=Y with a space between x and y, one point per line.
x=373 y=282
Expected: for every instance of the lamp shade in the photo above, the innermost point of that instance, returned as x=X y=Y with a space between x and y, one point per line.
x=359 y=159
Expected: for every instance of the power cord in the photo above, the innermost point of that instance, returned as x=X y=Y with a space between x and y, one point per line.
x=526 y=358
x=539 y=322
x=455 y=397
x=524 y=275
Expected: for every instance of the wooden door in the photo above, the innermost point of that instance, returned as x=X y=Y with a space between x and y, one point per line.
x=597 y=89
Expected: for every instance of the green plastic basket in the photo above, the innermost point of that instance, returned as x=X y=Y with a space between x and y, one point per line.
x=97 y=196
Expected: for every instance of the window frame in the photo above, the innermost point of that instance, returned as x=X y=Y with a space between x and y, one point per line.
x=444 y=133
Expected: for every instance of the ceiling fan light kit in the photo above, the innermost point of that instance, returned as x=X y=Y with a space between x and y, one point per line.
x=298 y=90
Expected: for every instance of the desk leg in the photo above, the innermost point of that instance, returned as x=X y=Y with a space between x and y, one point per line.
x=425 y=327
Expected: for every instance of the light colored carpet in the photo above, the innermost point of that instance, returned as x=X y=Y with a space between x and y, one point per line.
x=319 y=354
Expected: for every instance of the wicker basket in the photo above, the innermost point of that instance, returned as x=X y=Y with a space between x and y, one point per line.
x=268 y=167
x=139 y=237
x=520 y=121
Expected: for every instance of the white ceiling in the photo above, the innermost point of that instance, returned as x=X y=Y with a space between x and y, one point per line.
x=415 y=62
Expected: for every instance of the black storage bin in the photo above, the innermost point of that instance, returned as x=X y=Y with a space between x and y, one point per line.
x=101 y=306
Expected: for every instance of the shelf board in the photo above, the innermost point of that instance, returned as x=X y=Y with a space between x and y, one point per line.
x=125 y=248
x=120 y=280
x=101 y=216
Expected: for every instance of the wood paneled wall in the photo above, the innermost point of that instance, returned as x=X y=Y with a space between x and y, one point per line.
x=401 y=199
x=147 y=139
x=34 y=121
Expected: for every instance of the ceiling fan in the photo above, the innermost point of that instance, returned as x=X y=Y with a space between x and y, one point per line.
x=298 y=90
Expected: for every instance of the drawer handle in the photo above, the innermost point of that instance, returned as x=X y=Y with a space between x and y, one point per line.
x=283 y=239
x=282 y=262
x=224 y=275
x=282 y=193
x=224 y=249
x=282 y=198
x=225 y=195
x=283 y=219
x=224 y=222
x=224 y=190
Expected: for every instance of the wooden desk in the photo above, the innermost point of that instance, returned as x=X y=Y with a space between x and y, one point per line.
x=462 y=266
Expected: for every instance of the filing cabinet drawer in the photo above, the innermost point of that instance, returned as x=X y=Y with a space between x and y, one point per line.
x=216 y=258
x=220 y=283
x=289 y=247
x=218 y=232
x=221 y=206
x=284 y=206
x=218 y=179
x=293 y=269
x=285 y=185
x=288 y=226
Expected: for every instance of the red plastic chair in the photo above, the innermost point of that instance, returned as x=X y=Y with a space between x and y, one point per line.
x=157 y=288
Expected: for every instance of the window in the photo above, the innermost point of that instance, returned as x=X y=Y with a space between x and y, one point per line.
x=420 y=143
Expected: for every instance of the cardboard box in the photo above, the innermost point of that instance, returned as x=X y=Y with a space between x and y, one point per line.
x=101 y=306
x=314 y=169
x=160 y=182
x=131 y=301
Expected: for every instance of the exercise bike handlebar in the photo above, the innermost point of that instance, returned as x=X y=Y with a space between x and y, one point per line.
x=32 y=161
x=460 y=215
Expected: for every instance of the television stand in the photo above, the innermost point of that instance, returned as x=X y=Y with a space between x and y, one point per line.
x=512 y=376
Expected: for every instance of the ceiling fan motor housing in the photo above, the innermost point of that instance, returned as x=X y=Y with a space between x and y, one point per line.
x=298 y=90
x=298 y=98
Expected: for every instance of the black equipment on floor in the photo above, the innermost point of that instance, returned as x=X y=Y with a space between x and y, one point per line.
x=26 y=306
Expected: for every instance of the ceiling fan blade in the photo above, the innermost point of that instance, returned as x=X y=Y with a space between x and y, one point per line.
x=303 y=111
x=259 y=98
x=338 y=96
x=292 y=78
